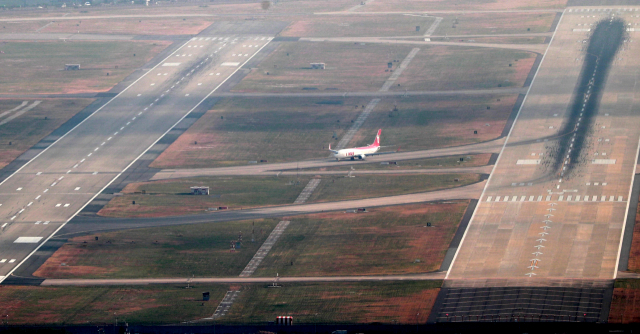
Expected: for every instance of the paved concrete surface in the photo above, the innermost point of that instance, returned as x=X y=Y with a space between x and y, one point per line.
x=53 y=187
x=532 y=224
x=145 y=281
x=493 y=146
x=538 y=48
x=264 y=249
x=83 y=225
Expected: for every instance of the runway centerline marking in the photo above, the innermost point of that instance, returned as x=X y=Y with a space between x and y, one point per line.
x=128 y=166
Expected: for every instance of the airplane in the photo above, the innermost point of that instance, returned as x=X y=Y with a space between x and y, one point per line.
x=359 y=152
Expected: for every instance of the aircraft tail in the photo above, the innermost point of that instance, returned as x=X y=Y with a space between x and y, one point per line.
x=376 y=142
x=333 y=151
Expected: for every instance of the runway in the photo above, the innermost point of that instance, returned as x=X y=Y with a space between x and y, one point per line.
x=52 y=188
x=535 y=223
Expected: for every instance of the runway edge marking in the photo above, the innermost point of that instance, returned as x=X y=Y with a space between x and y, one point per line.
x=453 y=262
x=93 y=113
x=626 y=213
x=132 y=162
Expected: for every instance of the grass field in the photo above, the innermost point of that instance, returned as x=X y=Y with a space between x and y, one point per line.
x=292 y=129
x=422 y=5
x=358 y=26
x=141 y=26
x=425 y=123
x=178 y=251
x=253 y=129
x=339 y=188
x=454 y=67
x=166 y=304
x=625 y=305
x=390 y=240
x=432 y=163
x=388 y=302
x=494 y=23
x=634 y=253
x=25 y=131
x=495 y=40
x=38 y=67
x=349 y=67
x=172 y=197
x=357 y=67
x=336 y=303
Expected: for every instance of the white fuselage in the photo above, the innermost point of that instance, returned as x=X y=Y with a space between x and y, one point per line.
x=357 y=152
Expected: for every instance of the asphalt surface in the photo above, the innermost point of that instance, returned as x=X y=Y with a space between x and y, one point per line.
x=439 y=275
x=91 y=224
x=55 y=185
x=493 y=146
x=533 y=227
x=537 y=48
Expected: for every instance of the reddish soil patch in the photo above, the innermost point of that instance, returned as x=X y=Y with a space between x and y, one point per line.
x=68 y=255
x=411 y=309
x=625 y=306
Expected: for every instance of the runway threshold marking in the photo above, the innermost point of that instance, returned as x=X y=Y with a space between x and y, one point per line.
x=130 y=164
x=453 y=261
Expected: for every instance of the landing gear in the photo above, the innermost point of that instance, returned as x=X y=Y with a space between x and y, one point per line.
x=353 y=158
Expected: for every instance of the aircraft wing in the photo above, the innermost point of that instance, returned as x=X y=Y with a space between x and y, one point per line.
x=380 y=153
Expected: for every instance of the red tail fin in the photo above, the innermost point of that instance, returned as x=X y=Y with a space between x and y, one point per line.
x=376 y=142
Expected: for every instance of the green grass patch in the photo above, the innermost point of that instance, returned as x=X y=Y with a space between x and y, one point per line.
x=202 y=250
x=159 y=304
x=38 y=67
x=627 y=283
x=173 y=197
x=336 y=302
x=391 y=240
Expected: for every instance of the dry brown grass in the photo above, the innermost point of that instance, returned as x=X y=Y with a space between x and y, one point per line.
x=23 y=305
x=273 y=129
x=134 y=26
x=349 y=67
x=37 y=67
x=381 y=242
x=28 y=129
x=408 y=302
x=425 y=123
x=494 y=23
x=625 y=306
x=358 y=26
x=454 y=67
x=426 y=5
